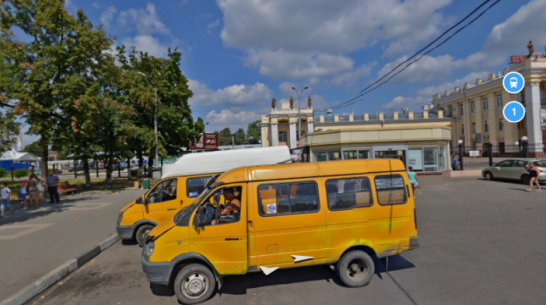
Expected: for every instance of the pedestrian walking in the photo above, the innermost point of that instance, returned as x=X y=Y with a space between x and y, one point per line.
x=412 y=179
x=5 y=202
x=533 y=173
x=32 y=188
x=52 y=182
x=23 y=194
x=455 y=162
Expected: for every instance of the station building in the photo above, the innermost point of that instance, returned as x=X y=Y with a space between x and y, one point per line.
x=476 y=109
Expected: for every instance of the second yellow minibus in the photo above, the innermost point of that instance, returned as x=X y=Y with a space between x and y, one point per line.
x=341 y=213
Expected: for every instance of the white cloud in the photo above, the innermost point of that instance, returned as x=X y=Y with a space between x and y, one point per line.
x=145 y=21
x=348 y=79
x=147 y=43
x=214 y=24
x=233 y=120
x=108 y=16
x=184 y=2
x=285 y=65
x=232 y=96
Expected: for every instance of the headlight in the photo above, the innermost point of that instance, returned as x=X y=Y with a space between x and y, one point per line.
x=120 y=217
x=149 y=248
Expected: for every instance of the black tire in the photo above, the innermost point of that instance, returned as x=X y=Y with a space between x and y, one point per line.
x=525 y=179
x=194 y=284
x=141 y=234
x=488 y=176
x=355 y=268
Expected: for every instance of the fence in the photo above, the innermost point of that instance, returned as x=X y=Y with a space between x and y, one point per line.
x=473 y=157
x=7 y=164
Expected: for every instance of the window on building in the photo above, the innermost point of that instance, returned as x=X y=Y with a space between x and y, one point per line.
x=390 y=189
x=499 y=100
x=282 y=137
x=302 y=134
x=334 y=155
x=485 y=103
x=363 y=154
x=462 y=110
x=473 y=128
x=287 y=198
x=521 y=124
x=500 y=125
x=485 y=127
x=321 y=156
x=462 y=129
x=350 y=154
x=346 y=194
x=520 y=97
x=472 y=107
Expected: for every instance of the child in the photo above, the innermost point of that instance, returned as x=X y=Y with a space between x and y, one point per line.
x=4 y=202
x=412 y=179
x=23 y=194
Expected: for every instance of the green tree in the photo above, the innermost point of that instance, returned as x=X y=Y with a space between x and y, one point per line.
x=253 y=132
x=240 y=136
x=224 y=136
x=33 y=148
x=53 y=68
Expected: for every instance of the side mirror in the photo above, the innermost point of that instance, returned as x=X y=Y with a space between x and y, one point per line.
x=145 y=200
x=199 y=219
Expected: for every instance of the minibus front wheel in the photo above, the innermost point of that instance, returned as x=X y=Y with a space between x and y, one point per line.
x=355 y=268
x=142 y=232
x=194 y=284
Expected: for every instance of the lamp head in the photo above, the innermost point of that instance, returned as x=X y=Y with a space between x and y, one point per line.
x=306 y=88
x=294 y=88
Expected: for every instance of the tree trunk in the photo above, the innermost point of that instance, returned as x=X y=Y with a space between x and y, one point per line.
x=43 y=167
x=140 y=161
x=151 y=166
x=85 y=163
x=109 y=167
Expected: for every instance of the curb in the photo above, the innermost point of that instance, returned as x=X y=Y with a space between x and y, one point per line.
x=53 y=277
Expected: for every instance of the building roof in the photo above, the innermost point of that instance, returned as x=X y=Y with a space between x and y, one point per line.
x=18 y=156
x=373 y=118
x=314 y=169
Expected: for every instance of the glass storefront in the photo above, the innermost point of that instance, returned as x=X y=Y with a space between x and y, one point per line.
x=341 y=155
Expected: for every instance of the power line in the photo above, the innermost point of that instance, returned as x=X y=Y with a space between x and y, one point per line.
x=354 y=100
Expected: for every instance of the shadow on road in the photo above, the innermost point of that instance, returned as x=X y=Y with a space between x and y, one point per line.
x=238 y=285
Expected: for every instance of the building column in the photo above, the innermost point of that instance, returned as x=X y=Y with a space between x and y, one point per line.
x=274 y=134
x=532 y=109
x=510 y=129
x=293 y=138
x=492 y=119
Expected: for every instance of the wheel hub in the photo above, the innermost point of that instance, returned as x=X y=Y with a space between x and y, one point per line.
x=194 y=285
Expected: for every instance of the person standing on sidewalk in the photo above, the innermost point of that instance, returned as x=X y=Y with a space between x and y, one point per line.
x=5 y=202
x=23 y=194
x=52 y=182
x=412 y=179
x=32 y=188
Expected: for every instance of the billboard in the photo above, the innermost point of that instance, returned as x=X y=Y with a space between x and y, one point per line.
x=208 y=141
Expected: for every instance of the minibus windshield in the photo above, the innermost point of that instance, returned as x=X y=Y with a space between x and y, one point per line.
x=182 y=217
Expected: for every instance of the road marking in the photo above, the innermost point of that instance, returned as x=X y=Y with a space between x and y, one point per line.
x=299 y=258
x=268 y=271
x=88 y=206
x=30 y=229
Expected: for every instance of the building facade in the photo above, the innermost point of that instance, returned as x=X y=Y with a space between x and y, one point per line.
x=280 y=126
x=477 y=109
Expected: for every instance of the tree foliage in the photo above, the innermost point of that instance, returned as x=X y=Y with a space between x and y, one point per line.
x=253 y=132
x=224 y=137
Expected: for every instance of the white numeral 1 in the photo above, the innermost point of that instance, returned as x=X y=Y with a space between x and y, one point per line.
x=514 y=111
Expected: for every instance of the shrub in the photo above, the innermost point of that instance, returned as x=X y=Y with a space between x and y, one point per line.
x=2 y=172
x=20 y=173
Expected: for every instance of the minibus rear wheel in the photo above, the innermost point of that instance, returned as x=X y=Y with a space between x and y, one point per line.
x=194 y=284
x=355 y=268
x=141 y=234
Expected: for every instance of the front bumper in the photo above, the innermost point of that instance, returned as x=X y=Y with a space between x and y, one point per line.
x=156 y=273
x=125 y=232
x=413 y=243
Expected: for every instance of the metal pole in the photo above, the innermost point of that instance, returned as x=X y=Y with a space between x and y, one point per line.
x=525 y=150
x=119 y=169
x=97 y=168
x=75 y=169
x=233 y=142
x=12 y=173
x=155 y=130
x=490 y=153
x=32 y=169
x=461 y=155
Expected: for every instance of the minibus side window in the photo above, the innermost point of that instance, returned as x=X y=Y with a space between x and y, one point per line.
x=390 y=189
x=213 y=207
x=349 y=193
x=163 y=191
x=288 y=198
x=194 y=186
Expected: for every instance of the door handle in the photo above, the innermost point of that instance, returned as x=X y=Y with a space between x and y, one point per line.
x=250 y=224
x=171 y=210
x=232 y=239
x=181 y=202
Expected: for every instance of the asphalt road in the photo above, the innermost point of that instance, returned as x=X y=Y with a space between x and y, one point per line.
x=33 y=242
x=482 y=242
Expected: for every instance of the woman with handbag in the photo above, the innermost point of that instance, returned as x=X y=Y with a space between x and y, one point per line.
x=33 y=190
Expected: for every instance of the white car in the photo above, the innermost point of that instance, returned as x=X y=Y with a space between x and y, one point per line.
x=515 y=169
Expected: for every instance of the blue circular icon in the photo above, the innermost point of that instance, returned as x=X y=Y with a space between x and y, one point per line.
x=513 y=112
x=513 y=82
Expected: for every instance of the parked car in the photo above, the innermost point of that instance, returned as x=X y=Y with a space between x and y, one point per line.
x=78 y=168
x=515 y=169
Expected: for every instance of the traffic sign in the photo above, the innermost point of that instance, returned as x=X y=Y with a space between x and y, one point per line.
x=514 y=112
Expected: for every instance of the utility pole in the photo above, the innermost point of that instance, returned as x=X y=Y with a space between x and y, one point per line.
x=299 y=110
x=156 y=159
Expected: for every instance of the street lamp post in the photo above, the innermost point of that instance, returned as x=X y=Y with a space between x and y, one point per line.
x=156 y=159
x=299 y=110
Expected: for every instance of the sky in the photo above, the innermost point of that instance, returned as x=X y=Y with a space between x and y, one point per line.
x=239 y=54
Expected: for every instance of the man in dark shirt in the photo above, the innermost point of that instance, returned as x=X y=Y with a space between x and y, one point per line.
x=52 y=182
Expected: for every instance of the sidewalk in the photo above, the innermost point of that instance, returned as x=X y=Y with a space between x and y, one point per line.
x=466 y=173
x=36 y=241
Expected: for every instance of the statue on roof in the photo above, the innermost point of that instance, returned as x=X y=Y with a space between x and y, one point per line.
x=273 y=103
x=291 y=103
x=309 y=102
x=531 y=49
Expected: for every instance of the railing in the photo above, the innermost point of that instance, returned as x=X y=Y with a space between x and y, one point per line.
x=474 y=157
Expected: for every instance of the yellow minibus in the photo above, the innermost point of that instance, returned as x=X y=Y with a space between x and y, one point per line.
x=182 y=182
x=262 y=218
